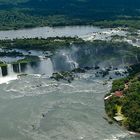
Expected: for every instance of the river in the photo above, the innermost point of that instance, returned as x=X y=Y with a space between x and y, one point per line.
x=68 y=31
x=45 y=32
x=35 y=107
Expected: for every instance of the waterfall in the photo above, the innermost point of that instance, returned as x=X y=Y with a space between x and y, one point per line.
x=46 y=67
x=29 y=69
x=19 y=67
x=137 y=58
x=10 y=69
x=11 y=75
x=73 y=64
x=0 y=72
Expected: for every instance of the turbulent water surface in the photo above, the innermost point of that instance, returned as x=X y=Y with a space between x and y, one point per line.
x=35 y=107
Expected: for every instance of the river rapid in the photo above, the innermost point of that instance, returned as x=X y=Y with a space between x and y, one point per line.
x=35 y=107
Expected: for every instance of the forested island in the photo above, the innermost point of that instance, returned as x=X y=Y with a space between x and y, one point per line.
x=50 y=44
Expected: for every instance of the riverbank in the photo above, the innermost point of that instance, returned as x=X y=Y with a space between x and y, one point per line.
x=130 y=24
x=87 y=33
x=122 y=103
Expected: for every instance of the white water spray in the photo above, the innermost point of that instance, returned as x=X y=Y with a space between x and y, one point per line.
x=46 y=67
x=73 y=64
x=10 y=70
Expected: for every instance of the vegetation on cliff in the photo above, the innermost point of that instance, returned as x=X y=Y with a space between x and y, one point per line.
x=105 y=50
x=128 y=101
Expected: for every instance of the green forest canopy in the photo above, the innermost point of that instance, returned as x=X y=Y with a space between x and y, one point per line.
x=26 y=13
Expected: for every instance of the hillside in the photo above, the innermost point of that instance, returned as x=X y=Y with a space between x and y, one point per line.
x=28 y=13
x=123 y=104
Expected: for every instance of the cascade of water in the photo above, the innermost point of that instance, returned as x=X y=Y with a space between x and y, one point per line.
x=46 y=67
x=29 y=69
x=73 y=64
x=19 y=67
x=7 y=74
x=137 y=58
x=10 y=69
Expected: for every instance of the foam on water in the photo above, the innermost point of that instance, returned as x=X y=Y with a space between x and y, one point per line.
x=72 y=111
x=8 y=79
